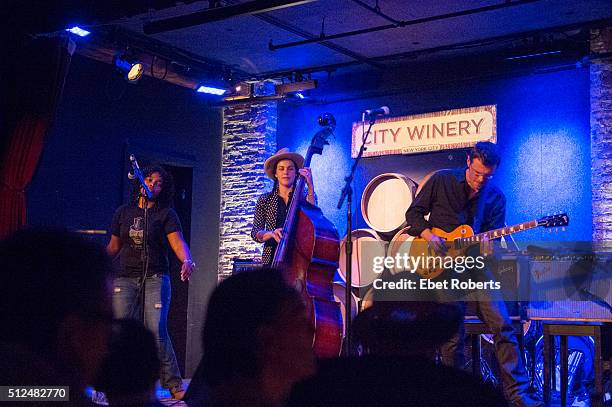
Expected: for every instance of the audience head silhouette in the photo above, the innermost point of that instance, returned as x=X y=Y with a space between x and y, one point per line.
x=131 y=367
x=58 y=312
x=257 y=340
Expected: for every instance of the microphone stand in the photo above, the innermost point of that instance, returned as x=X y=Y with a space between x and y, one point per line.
x=347 y=192
x=144 y=257
x=146 y=195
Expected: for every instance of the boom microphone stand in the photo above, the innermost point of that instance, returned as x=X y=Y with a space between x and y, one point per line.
x=347 y=192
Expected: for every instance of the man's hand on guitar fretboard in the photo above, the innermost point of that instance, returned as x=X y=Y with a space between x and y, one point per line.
x=486 y=246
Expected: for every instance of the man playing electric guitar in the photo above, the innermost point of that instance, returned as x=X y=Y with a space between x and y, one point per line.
x=463 y=196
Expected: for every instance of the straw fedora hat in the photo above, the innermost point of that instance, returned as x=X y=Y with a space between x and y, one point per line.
x=282 y=154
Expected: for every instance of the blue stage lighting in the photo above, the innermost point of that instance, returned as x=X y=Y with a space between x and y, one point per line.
x=535 y=54
x=78 y=31
x=210 y=90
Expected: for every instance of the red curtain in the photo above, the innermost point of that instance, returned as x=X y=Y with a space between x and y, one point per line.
x=38 y=80
x=23 y=153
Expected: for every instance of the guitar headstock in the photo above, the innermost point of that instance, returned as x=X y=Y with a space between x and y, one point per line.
x=319 y=140
x=554 y=221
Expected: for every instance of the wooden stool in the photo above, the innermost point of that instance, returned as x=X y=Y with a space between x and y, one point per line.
x=601 y=332
x=475 y=327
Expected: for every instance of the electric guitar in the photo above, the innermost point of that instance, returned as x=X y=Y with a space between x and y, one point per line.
x=463 y=237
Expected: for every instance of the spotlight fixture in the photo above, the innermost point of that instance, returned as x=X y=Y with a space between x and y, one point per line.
x=240 y=90
x=78 y=31
x=131 y=68
x=211 y=90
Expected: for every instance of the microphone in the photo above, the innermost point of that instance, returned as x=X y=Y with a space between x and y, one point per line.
x=137 y=174
x=381 y=111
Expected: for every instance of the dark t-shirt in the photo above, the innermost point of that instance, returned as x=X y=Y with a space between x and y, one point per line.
x=128 y=225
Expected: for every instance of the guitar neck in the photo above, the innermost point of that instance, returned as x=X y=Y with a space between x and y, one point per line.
x=497 y=233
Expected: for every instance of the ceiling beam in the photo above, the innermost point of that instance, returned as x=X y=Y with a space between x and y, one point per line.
x=218 y=14
x=155 y=68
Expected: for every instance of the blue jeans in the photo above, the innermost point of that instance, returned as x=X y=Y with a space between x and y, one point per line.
x=157 y=303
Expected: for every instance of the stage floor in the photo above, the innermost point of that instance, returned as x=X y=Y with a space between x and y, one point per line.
x=163 y=396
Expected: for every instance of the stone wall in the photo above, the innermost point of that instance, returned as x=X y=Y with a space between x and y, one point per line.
x=249 y=137
x=601 y=136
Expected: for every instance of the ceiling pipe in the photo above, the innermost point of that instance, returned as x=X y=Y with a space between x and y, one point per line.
x=341 y=50
x=218 y=14
x=323 y=37
x=413 y=54
x=294 y=30
x=376 y=10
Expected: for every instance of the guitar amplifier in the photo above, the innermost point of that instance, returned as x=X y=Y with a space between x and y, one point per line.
x=509 y=271
x=571 y=288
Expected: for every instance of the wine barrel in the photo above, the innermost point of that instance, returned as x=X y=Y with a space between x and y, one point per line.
x=367 y=244
x=367 y=301
x=384 y=202
x=400 y=244
x=340 y=296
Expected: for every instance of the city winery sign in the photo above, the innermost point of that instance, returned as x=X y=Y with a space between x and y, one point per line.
x=457 y=128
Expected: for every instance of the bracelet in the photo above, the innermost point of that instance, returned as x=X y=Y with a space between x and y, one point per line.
x=189 y=261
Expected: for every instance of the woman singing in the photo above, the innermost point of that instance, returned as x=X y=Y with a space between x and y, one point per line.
x=139 y=255
x=271 y=210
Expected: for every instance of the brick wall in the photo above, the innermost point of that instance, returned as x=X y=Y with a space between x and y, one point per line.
x=601 y=136
x=249 y=137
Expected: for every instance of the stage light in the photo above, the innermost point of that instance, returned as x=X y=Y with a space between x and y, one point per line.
x=78 y=31
x=129 y=67
x=241 y=90
x=211 y=90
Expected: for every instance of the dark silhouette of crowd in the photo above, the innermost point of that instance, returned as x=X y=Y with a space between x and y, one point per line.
x=58 y=329
x=56 y=310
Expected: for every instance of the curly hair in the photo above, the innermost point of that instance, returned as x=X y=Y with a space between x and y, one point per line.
x=165 y=199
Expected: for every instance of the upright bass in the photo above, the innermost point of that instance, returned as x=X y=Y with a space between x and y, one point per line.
x=307 y=255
